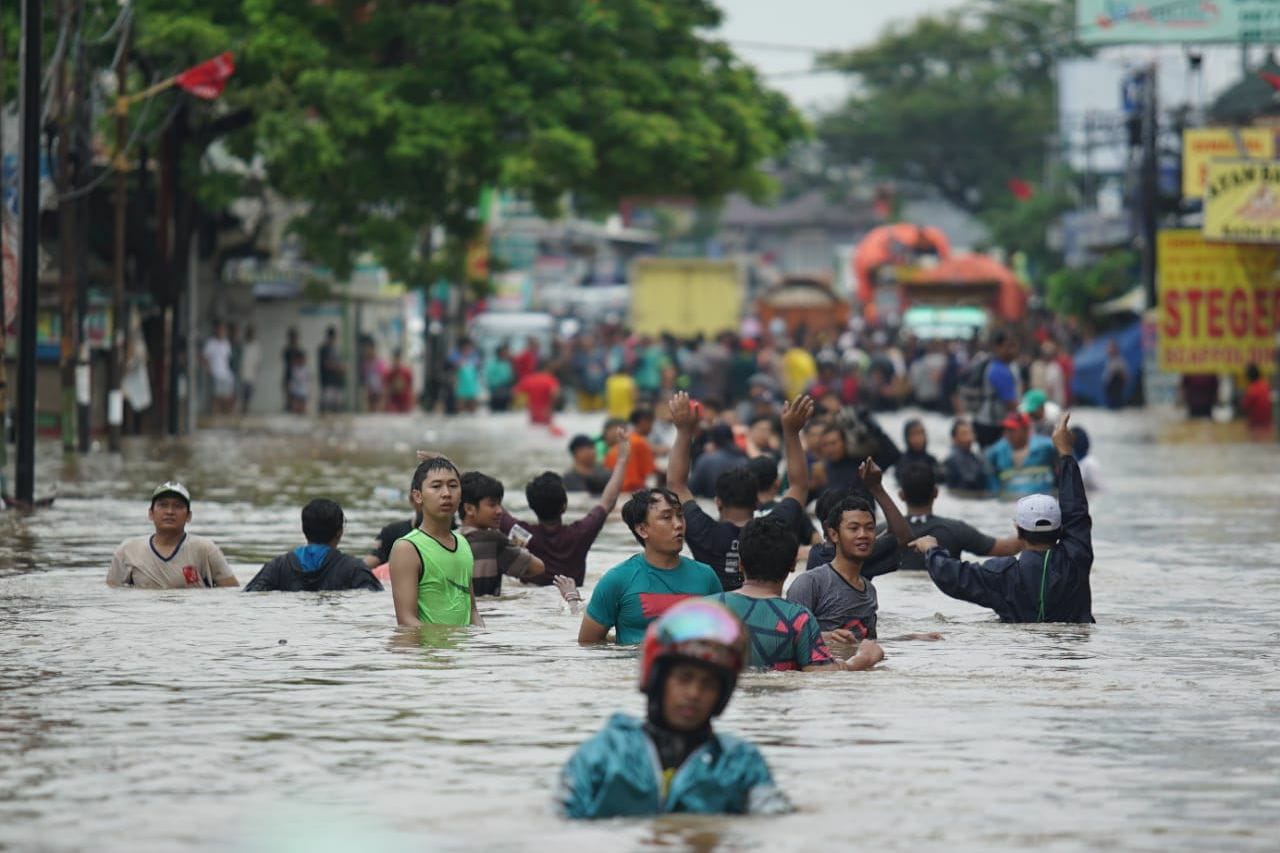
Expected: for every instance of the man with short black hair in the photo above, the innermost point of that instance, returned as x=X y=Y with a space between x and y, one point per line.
x=170 y=558
x=918 y=490
x=715 y=541
x=1049 y=580
x=494 y=553
x=723 y=456
x=782 y=635
x=563 y=547
x=586 y=475
x=635 y=592
x=318 y=565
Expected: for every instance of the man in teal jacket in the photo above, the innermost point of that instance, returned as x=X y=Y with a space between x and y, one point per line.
x=673 y=761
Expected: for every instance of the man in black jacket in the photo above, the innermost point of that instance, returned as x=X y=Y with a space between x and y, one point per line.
x=318 y=565
x=1049 y=580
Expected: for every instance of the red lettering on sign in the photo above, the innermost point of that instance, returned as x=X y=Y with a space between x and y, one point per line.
x=1172 y=314
x=1215 y=314
x=1194 y=298
x=1238 y=313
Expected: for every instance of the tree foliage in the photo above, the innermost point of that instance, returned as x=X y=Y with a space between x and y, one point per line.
x=1074 y=292
x=962 y=102
x=384 y=119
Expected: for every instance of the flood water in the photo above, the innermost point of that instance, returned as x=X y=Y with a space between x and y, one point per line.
x=218 y=720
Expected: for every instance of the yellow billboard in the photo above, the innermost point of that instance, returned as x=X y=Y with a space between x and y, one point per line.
x=1218 y=303
x=1242 y=201
x=1203 y=144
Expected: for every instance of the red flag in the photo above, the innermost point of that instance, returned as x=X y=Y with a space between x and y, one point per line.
x=1021 y=189
x=1271 y=77
x=208 y=79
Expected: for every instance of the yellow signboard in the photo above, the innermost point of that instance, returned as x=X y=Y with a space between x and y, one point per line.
x=1219 y=303
x=1242 y=201
x=1202 y=144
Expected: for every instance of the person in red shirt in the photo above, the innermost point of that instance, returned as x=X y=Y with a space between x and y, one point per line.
x=527 y=361
x=1256 y=403
x=540 y=389
x=641 y=464
x=399 y=385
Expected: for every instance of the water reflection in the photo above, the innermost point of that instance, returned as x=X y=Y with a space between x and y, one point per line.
x=215 y=719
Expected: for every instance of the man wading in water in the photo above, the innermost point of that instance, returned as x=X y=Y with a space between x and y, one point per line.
x=1049 y=580
x=431 y=567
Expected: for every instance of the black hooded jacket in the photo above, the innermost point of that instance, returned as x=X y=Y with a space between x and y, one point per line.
x=338 y=571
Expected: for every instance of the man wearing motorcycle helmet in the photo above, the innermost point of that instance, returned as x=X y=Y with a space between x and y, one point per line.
x=673 y=761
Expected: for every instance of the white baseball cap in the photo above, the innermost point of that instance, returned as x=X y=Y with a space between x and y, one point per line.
x=1038 y=514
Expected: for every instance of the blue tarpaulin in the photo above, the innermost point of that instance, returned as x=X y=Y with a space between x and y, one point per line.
x=1091 y=361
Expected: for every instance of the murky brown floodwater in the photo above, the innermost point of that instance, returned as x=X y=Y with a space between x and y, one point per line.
x=156 y=721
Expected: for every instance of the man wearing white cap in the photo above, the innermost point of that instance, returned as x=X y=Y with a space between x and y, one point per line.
x=1049 y=580
x=170 y=558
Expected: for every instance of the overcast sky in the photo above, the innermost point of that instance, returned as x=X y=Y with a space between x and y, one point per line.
x=840 y=24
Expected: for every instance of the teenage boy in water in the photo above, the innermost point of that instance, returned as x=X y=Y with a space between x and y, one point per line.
x=170 y=558
x=1049 y=580
x=919 y=489
x=715 y=541
x=673 y=761
x=317 y=565
x=563 y=547
x=635 y=592
x=494 y=553
x=782 y=635
x=431 y=567
x=837 y=593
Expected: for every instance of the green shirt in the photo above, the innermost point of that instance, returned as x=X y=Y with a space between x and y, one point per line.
x=444 y=587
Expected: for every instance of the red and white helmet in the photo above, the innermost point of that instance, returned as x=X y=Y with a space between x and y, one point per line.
x=698 y=631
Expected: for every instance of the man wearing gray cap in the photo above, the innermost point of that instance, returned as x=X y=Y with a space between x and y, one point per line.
x=1049 y=580
x=170 y=558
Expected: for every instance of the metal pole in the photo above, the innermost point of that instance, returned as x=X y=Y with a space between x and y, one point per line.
x=67 y=351
x=29 y=260
x=119 y=323
x=1149 y=183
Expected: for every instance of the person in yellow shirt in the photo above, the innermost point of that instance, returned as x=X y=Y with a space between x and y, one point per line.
x=620 y=395
x=798 y=370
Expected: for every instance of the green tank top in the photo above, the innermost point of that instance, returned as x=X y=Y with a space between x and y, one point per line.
x=444 y=590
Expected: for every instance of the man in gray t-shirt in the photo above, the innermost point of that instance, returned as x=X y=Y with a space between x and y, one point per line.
x=838 y=604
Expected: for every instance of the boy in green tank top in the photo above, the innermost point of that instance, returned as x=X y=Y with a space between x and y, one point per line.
x=431 y=566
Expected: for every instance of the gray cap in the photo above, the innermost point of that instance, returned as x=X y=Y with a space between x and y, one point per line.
x=173 y=487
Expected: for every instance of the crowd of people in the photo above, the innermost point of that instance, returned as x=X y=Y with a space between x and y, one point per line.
x=794 y=466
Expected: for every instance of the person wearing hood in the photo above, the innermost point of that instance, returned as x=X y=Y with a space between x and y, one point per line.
x=673 y=761
x=916 y=441
x=317 y=565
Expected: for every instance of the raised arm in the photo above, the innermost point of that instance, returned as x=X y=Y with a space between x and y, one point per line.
x=1077 y=527
x=613 y=488
x=795 y=415
x=685 y=421
x=873 y=479
x=958 y=579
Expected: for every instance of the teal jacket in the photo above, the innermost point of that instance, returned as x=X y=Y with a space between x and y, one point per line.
x=617 y=773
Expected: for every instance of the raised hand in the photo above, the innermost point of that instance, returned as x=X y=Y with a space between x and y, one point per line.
x=1063 y=440
x=870 y=473
x=624 y=446
x=796 y=413
x=683 y=416
x=923 y=544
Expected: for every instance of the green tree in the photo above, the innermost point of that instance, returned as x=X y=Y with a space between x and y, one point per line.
x=961 y=102
x=384 y=119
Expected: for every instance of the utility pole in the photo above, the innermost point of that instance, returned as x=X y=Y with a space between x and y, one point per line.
x=119 y=323
x=68 y=351
x=1148 y=175
x=82 y=157
x=29 y=260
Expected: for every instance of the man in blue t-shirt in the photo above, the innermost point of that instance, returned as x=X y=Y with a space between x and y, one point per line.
x=635 y=592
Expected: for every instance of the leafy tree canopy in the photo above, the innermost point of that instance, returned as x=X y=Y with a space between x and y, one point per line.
x=962 y=102
x=383 y=119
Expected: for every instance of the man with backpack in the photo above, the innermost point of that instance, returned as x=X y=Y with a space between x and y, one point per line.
x=989 y=388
